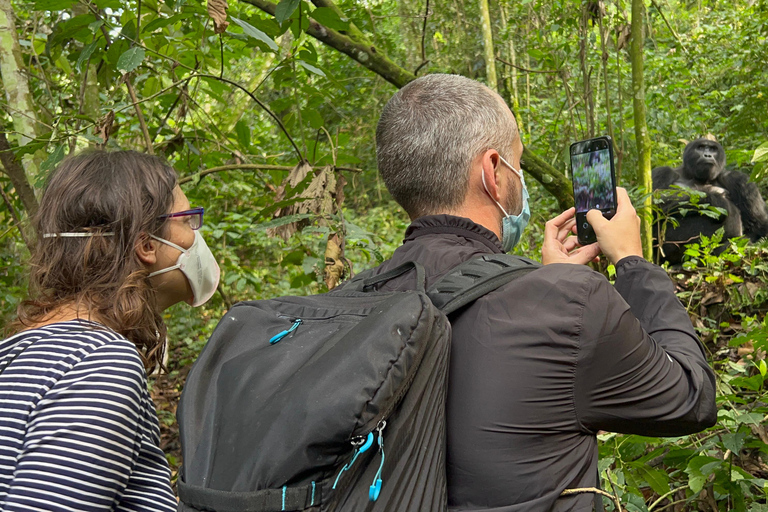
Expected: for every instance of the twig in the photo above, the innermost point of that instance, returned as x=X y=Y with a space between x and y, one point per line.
x=224 y=296
x=15 y=218
x=661 y=498
x=262 y=105
x=246 y=167
x=142 y=123
x=526 y=70
x=584 y=490
x=674 y=34
x=424 y=60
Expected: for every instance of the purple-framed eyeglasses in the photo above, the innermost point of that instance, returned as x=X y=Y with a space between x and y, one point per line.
x=195 y=216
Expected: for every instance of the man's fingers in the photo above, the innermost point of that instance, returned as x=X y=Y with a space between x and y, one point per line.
x=570 y=244
x=553 y=227
x=596 y=219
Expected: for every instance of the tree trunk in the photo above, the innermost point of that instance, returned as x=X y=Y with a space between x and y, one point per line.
x=641 y=127
x=17 y=87
x=488 y=53
x=369 y=56
x=15 y=172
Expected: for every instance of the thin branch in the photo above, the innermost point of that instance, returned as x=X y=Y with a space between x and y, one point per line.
x=424 y=60
x=585 y=490
x=142 y=123
x=526 y=70
x=247 y=167
x=666 y=22
x=15 y=218
x=262 y=105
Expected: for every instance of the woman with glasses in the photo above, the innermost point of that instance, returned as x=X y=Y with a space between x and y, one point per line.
x=117 y=243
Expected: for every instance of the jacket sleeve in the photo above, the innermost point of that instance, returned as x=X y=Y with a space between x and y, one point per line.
x=641 y=368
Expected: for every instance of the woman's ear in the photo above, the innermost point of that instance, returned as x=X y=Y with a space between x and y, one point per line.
x=146 y=250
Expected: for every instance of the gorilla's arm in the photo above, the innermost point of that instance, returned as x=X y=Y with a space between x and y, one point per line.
x=746 y=196
x=664 y=177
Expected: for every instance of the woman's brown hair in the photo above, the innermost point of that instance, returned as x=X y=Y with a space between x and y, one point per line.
x=119 y=197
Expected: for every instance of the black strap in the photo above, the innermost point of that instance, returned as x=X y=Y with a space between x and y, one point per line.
x=474 y=278
x=266 y=500
x=362 y=281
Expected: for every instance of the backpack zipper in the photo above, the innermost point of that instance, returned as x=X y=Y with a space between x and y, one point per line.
x=380 y=424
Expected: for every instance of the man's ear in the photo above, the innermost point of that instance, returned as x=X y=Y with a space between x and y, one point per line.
x=146 y=249
x=492 y=173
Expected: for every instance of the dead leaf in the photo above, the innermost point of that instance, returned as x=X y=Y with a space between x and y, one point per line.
x=334 y=261
x=319 y=198
x=712 y=297
x=745 y=349
x=217 y=9
x=103 y=128
x=709 y=136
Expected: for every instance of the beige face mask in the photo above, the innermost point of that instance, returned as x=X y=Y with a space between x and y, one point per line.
x=198 y=265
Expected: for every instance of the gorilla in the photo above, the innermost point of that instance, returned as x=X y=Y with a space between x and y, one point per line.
x=703 y=169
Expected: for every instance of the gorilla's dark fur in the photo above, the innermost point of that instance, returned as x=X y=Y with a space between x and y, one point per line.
x=703 y=169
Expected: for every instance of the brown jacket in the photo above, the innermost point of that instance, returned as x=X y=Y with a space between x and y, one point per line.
x=543 y=363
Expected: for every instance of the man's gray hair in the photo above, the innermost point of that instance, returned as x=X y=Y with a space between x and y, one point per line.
x=428 y=135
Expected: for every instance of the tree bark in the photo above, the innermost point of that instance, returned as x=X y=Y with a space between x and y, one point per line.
x=16 y=87
x=13 y=169
x=641 y=128
x=368 y=56
x=488 y=53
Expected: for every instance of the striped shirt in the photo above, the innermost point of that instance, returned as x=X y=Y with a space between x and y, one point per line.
x=78 y=429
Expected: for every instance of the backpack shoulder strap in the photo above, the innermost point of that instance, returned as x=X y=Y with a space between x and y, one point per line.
x=474 y=278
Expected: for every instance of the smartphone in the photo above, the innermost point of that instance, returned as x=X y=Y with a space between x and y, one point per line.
x=594 y=183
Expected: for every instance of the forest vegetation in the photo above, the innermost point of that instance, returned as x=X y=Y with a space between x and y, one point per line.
x=268 y=110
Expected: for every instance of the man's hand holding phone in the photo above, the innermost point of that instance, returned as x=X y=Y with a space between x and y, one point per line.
x=620 y=236
x=560 y=246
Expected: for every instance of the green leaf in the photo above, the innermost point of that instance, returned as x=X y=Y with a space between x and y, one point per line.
x=311 y=68
x=657 y=479
x=243 y=134
x=54 y=158
x=762 y=367
x=255 y=33
x=734 y=442
x=86 y=53
x=130 y=59
x=761 y=153
x=163 y=22
x=329 y=18
x=285 y=9
x=52 y=5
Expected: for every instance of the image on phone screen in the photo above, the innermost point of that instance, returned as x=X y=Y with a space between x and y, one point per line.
x=592 y=181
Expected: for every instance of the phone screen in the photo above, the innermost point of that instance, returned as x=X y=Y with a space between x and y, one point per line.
x=593 y=183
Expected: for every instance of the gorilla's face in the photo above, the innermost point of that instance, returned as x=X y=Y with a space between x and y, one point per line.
x=703 y=160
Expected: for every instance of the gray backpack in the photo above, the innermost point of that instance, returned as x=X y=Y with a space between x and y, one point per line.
x=332 y=402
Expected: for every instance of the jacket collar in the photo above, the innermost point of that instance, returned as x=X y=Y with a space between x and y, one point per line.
x=452 y=225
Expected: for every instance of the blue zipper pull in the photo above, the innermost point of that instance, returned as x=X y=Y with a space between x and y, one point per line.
x=361 y=446
x=375 y=489
x=277 y=337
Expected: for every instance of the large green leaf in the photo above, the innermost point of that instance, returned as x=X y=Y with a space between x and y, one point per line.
x=87 y=52
x=329 y=18
x=285 y=9
x=130 y=59
x=255 y=33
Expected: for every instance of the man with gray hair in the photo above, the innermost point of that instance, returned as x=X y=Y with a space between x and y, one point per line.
x=540 y=365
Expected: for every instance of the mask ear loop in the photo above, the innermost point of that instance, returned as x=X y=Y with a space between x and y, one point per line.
x=482 y=176
x=177 y=247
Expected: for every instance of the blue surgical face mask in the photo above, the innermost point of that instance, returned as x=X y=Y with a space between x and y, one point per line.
x=512 y=226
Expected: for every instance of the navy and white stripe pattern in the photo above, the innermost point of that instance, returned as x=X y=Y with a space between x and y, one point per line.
x=78 y=429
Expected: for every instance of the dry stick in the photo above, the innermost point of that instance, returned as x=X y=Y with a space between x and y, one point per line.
x=424 y=60
x=15 y=218
x=584 y=490
x=245 y=167
x=142 y=123
x=526 y=70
